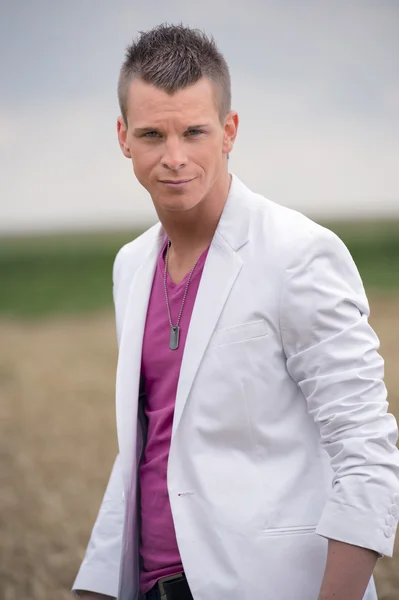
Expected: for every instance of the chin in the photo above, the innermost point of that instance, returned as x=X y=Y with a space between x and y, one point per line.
x=178 y=204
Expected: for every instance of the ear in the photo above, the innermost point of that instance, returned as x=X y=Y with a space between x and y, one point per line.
x=230 y=131
x=122 y=137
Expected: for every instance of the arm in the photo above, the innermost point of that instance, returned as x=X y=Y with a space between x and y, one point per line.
x=98 y=577
x=343 y=562
x=332 y=355
x=99 y=571
x=94 y=596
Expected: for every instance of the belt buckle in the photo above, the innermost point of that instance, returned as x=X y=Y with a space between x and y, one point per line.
x=163 y=580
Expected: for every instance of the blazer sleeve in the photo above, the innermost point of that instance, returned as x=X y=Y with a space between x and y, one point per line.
x=99 y=571
x=332 y=355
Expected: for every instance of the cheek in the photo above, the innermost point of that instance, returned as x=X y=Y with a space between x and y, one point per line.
x=143 y=162
x=137 y=171
x=208 y=154
x=141 y=171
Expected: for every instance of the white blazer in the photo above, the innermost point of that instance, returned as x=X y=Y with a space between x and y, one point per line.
x=281 y=436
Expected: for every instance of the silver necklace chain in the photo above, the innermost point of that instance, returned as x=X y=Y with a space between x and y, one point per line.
x=166 y=288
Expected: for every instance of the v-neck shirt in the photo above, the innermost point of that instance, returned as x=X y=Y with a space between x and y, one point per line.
x=160 y=370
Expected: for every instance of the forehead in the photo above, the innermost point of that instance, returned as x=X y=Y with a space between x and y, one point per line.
x=147 y=103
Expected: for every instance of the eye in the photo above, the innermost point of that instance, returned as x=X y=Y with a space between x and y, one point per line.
x=151 y=134
x=194 y=132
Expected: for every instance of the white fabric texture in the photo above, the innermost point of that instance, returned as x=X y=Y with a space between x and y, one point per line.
x=281 y=435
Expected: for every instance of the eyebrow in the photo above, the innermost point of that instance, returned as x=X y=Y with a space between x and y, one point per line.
x=144 y=129
x=139 y=130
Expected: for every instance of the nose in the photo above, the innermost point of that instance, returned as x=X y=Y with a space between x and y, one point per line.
x=174 y=157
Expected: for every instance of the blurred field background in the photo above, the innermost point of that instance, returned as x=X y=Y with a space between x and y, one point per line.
x=57 y=372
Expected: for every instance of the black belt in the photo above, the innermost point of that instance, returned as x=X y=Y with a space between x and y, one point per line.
x=174 y=587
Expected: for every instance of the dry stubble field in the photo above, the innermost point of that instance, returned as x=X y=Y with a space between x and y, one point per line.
x=57 y=445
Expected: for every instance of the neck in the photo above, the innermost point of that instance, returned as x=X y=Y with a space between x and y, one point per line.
x=192 y=231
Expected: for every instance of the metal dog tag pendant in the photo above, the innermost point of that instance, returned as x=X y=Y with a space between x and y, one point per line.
x=174 y=337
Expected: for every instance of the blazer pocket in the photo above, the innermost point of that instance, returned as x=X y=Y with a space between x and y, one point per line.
x=299 y=530
x=239 y=333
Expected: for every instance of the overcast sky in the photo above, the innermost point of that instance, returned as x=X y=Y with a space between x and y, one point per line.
x=316 y=85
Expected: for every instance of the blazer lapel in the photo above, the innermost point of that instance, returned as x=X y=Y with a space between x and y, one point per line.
x=221 y=269
x=129 y=362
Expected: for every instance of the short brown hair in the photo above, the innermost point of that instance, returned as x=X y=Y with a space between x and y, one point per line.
x=173 y=57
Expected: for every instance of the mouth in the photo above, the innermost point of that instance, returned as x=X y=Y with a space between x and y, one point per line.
x=173 y=183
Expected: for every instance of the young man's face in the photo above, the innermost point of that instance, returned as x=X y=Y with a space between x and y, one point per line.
x=177 y=144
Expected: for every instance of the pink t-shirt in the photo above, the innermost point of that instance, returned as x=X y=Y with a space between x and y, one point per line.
x=160 y=369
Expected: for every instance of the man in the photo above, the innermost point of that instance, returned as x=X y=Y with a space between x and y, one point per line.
x=257 y=458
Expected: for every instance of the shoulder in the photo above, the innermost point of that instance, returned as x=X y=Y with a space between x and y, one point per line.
x=290 y=244
x=285 y=225
x=132 y=254
x=128 y=260
x=287 y=233
x=306 y=255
